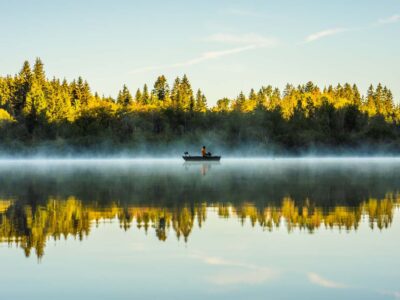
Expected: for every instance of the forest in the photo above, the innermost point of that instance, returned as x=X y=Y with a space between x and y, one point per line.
x=55 y=115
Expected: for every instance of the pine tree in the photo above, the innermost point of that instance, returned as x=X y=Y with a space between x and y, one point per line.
x=138 y=96
x=309 y=88
x=388 y=104
x=65 y=109
x=370 y=105
x=145 y=96
x=175 y=94
x=86 y=94
x=23 y=85
x=161 y=88
x=35 y=106
x=58 y=101
x=124 y=97
x=201 y=102
x=356 y=96
x=253 y=97
x=289 y=89
x=38 y=72
x=191 y=104
x=81 y=94
x=261 y=100
x=275 y=98
x=330 y=90
x=186 y=93
x=378 y=98
x=6 y=93
x=347 y=92
x=240 y=102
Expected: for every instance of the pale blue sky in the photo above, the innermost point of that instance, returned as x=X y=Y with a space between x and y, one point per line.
x=223 y=46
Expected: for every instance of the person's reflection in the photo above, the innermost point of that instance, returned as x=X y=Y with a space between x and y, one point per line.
x=205 y=168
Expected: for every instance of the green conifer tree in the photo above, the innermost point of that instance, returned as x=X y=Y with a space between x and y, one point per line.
x=145 y=96
x=124 y=96
x=35 y=106
x=186 y=93
x=161 y=88
x=138 y=96
x=201 y=102
x=23 y=85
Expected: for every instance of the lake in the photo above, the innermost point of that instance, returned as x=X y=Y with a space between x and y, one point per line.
x=280 y=228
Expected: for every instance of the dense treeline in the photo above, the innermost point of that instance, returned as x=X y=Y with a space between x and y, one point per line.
x=37 y=112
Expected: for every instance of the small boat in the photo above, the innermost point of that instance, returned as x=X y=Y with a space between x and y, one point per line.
x=201 y=158
x=208 y=157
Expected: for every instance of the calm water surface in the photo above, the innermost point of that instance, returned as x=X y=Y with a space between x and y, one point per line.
x=162 y=229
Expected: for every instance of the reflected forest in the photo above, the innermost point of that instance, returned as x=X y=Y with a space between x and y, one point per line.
x=57 y=115
x=41 y=203
x=30 y=227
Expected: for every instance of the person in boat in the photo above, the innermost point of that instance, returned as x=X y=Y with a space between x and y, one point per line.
x=203 y=151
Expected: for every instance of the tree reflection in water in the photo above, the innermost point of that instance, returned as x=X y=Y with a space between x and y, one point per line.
x=30 y=227
x=39 y=202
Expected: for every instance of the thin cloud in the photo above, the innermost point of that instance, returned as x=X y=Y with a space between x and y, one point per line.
x=251 y=277
x=319 y=280
x=325 y=33
x=244 y=42
x=333 y=31
x=242 y=12
x=217 y=261
x=205 y=56
x=390 y=20
x=239 y=272
x=248 y=38
x=395 y=295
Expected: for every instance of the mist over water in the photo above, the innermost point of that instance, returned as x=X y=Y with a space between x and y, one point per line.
x=254 y=180
x=175 y=149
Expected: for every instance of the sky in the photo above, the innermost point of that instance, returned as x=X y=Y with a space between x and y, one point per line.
x=223 y=46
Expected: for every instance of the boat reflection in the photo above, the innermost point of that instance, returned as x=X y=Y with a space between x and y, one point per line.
x=205 y=167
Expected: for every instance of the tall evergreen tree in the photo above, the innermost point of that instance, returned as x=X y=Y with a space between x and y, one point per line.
x=186 y=93
x=201 y=102
x=161 y=88
x=81 y=94
x=124 y=97
x=6 y=93
x=356 y=95
x=38 y=72
x=23 y=85
x=371 y=108
x=35 y=106
x=239 y=102
x=176 y=94
x=145 y=96
x=253 y=98
x=138 y=96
